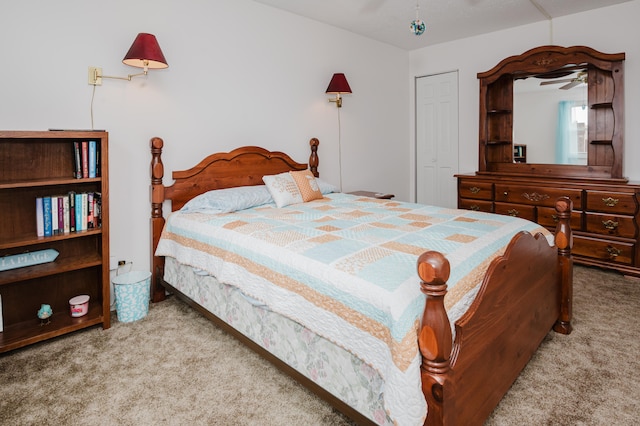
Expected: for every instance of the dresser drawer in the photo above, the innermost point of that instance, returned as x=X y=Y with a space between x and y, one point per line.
x=606 y=224
x=611 y=251
x=476 y=205
x=611 y=202
x=547 y=216
x=537 y=196
x=516 y=210
x=469 y=188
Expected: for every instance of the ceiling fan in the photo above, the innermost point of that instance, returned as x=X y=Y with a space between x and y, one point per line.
x=580 y=78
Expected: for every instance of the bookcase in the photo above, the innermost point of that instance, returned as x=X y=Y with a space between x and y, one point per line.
x=36 y=164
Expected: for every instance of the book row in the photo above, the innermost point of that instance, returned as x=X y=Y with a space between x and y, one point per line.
x=86 y=159
x=72 y=212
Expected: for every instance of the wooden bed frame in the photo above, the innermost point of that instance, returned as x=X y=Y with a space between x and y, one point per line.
x=525 y=293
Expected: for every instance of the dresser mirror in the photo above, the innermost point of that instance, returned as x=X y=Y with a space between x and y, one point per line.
x=551 y=118
x=563 y=105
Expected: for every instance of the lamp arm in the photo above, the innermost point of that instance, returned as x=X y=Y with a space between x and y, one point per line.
x=129 y=77
x=116 y=77
x=145 y=71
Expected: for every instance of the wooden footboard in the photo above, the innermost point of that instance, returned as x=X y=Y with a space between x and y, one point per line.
x=525 y=293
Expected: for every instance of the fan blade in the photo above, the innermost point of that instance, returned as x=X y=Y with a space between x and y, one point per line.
x=574 y=83
x=566 y=80
x=372 y=6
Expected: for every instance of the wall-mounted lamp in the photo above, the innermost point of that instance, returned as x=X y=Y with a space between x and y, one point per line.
x=338 y=85
x=144 y=53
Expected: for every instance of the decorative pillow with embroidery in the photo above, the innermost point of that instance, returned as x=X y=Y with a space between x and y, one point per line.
x=307 y=185
x=283 y=189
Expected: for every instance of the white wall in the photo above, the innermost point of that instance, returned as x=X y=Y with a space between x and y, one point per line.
x=611 y=30
x=243 y=73
x=240 y=73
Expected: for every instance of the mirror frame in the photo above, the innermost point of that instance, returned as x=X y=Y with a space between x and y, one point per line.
x=605 y=74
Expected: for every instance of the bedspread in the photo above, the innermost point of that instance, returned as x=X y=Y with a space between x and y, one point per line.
x=345 y=267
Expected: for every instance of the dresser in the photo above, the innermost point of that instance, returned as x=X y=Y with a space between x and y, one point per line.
x=586 y=166
x=604 y=220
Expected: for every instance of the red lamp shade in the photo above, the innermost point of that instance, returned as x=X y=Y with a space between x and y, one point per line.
x=338 y=84
x=145 y=53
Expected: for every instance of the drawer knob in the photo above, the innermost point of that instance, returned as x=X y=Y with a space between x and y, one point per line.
x=474 y=189
x=505 y=193
x=610 y=202
x=513 y=212
x=474 y=208
x=613 y=252
x=555 y=218
x=610 y=224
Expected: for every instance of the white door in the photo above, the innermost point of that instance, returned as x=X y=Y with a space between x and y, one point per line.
x=437 y=139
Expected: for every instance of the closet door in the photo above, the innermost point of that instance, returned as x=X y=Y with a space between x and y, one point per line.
x=437 y=139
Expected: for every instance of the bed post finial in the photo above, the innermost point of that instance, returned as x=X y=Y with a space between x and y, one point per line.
x=313 y=158
x=435 y=338
x=564 y=242
x=157 y=219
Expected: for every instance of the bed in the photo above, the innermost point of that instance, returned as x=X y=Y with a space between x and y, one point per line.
x=439 y=356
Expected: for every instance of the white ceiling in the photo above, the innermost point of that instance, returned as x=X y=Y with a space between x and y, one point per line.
x=388 y=20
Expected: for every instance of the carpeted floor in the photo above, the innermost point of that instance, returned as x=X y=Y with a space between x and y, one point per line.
x=174 y=367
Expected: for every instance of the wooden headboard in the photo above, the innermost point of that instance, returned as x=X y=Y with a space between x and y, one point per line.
x=243 y=166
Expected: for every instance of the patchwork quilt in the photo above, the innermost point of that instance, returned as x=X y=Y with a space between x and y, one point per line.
x=345 y=267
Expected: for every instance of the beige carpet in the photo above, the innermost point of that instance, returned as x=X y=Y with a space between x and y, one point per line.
x=175 y=368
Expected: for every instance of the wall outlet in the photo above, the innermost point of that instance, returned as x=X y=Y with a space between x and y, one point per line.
x=95 y=76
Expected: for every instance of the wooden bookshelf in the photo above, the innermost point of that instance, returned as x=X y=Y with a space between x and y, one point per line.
x=39 y=164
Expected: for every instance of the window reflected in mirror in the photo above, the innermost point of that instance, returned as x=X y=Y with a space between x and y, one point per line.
x=571 y=133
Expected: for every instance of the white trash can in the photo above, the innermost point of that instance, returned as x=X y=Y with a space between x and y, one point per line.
x=132 y=290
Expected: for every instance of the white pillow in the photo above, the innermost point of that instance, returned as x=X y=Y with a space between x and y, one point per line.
x=228 y=200
x=283 y=189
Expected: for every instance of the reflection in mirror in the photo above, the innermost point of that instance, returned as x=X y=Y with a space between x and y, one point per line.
x=550 y=117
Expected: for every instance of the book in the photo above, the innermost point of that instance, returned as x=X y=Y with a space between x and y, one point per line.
x=39 y=217
x=97 y=209
x=54 y=215
x=77 y=161
x=60 y=214
x=92 y=159
x=98 y=171
x=78 y=212
x=85 y=158
x=46 y=213
x=76 y=130
x=84 y=210
x=72 y=211
x=89 y=210
x=66 y=214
